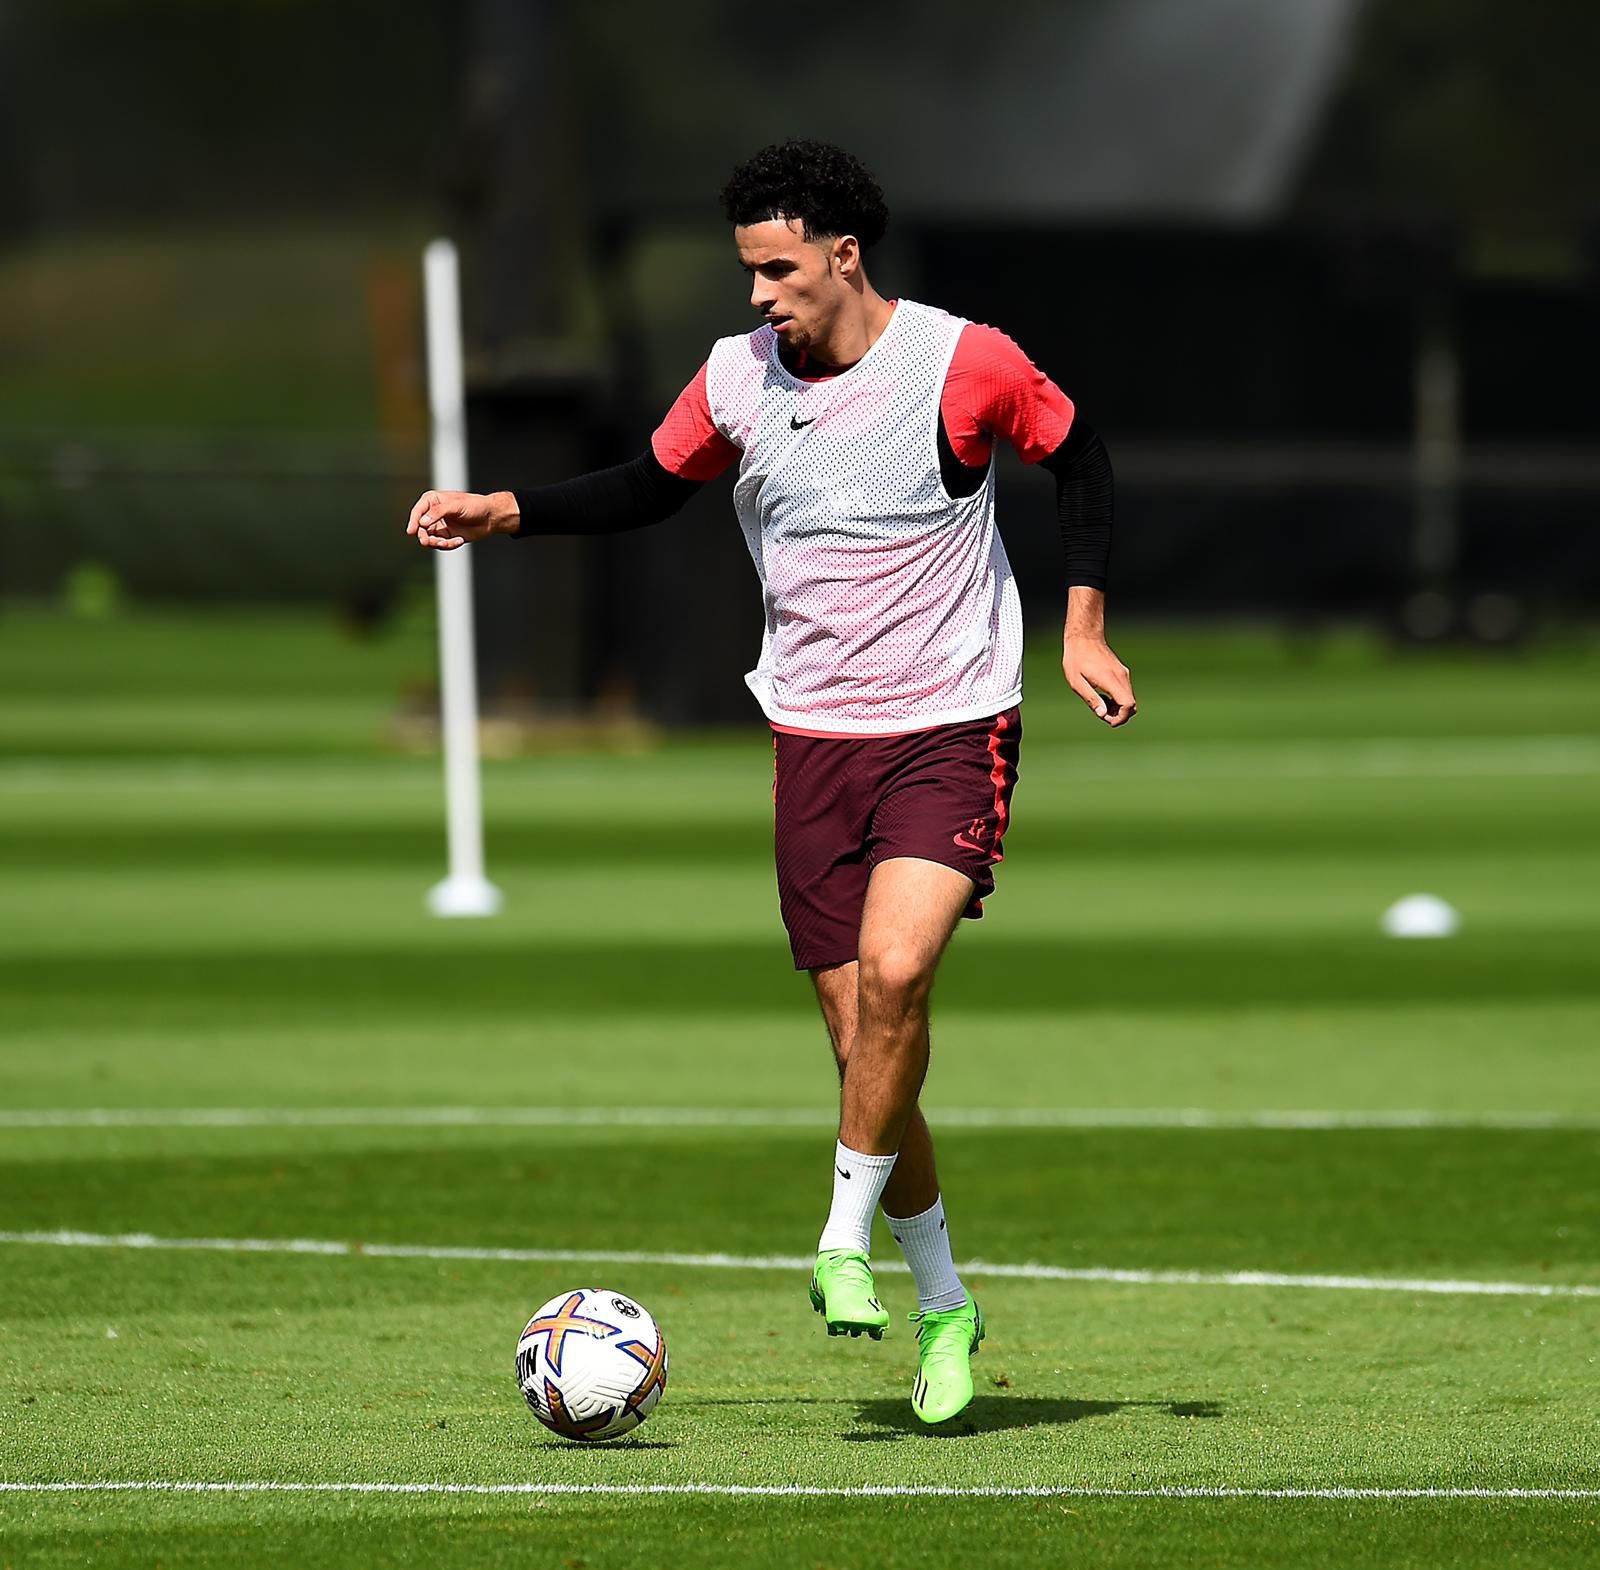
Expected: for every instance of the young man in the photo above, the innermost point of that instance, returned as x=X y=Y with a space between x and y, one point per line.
x=891 y=664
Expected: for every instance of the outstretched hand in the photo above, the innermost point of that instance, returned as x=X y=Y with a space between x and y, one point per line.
x=1098 y=677
x=447 y=520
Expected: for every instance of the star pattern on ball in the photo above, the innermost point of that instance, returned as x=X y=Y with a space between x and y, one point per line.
x=566 y=1321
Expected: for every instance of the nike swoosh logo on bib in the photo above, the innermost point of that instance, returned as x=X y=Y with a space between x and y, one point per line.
x=800 y=425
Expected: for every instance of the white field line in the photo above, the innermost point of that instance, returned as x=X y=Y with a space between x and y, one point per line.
x=795 y=1262
x=769 y=1117
x=802 y=1491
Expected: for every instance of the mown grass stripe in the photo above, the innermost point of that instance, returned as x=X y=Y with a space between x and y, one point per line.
x=1448 y=757
x=777 y=1117
x=800 y=1490
x=975 y=1267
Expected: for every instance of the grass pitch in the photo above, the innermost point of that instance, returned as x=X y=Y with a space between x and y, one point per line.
x=226 y=1014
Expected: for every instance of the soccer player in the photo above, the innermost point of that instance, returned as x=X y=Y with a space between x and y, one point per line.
x=891 y=665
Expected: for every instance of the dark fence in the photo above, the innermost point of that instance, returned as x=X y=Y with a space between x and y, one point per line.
x=1305 y=423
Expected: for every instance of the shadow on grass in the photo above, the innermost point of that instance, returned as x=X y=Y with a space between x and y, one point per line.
x=893 y=1420
x=767 y=1401
x=209 y=985
x=609 y=1445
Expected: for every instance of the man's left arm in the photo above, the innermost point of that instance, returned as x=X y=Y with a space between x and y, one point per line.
x=1085 y=506
x=993 y=389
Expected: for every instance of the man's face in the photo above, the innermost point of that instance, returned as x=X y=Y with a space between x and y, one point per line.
x=795 y=283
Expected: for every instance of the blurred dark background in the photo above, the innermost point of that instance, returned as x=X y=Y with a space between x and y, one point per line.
x=1325 y=273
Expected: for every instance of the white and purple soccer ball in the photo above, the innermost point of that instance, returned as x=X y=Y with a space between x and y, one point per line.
x=592 y=1364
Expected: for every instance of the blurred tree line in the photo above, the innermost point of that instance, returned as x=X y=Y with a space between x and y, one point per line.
x=133 y=111
x=121 y=112
x=1474 y=110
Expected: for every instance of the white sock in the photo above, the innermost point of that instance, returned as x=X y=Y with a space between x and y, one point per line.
x=857 y=1187
x=925 y=1241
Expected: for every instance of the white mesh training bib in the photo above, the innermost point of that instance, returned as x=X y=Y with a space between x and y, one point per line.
x=890 y=605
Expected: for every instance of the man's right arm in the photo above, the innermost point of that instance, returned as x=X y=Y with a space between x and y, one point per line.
x=629 y=496
x=686 y=450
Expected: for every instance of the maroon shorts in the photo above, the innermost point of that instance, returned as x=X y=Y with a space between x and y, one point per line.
x=840 y=806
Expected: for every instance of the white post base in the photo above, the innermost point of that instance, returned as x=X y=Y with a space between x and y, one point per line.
x=465 y=897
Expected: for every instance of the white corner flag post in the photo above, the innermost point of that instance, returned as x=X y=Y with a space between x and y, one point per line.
x=466 y=891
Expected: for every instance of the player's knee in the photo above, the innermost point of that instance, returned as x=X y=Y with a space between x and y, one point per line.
x=895 y=977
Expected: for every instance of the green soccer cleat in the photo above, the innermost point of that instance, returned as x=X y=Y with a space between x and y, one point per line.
x=842 y=1291
x=946 y=1341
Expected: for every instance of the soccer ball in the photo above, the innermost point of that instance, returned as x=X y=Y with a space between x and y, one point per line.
x=592 y=1364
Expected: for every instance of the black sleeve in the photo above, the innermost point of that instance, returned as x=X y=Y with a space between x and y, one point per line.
x=629 y=496
x=1085 y=497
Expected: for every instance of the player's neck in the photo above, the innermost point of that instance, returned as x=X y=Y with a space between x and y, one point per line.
x=855 y=330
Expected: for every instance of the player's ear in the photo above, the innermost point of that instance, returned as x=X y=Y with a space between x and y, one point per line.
x=847 y=255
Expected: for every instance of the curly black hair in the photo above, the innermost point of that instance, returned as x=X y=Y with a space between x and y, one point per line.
x=827 y=189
